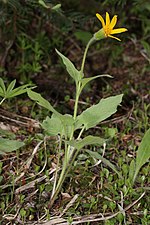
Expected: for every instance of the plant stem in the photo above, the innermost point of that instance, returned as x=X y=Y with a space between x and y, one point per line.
x=57 y=167
x=70 y=158
x=76 y=100
x=2 y=101
x=79 y=83
x=85 y=53
x=59 y=185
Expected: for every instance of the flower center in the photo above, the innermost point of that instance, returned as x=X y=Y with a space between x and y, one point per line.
x=107 y=30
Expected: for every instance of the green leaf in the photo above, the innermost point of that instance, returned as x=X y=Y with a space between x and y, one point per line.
x=41 y=101
x=84 y=81
x=131 y=171
x=99 y=112
x=56 y=7
x=89 y=140
x=143 y=153
x=10 y=92
x=1 y=92
x=2 y=87
x=96 y=155
x=52 y=126
x=11 y=86
x=67 y=121
x=41 y=2
x=56 y=125
x=7 y=145
x=18 y=91
x=74 y=73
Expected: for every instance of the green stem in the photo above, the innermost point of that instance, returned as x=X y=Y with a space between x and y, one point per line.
x=57 y=167
x=70 y=158
x=78 y=91
x=76 y=100
x=85 y=53
x=59 y=185
x=2 y=101
x=80 y=133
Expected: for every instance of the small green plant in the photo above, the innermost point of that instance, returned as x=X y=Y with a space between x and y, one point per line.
x=31 y=56
x=10 y=91
x=70 y=128
x=7 y=145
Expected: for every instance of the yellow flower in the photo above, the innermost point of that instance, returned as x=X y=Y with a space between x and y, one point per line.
x=108 y=27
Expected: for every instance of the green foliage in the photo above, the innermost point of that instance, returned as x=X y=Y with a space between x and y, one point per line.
x=52 y=126
x=86 y=80
x=10 y=91
x=73 y=72
x=24 y=37
x=96 y=155
x=99 y=112
x=88 y=140
x=143 y=153
x=55 y=125
x=7 y=145
x=41 y=101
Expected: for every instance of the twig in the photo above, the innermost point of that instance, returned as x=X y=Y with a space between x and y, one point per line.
x=69 y=204
x=32 y=156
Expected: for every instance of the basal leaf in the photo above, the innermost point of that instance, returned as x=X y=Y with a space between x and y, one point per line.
x=7 y=145
x=99 y=112
x=96 y=155
x=58 y=125
x=143 y=153
x=53 y=126
x=74 y=73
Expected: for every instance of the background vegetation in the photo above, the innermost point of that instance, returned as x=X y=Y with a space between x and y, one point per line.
x=29 y=33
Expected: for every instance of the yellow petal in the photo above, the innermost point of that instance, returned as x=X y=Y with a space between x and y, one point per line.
x=101 y=19
x=107 y=19
x=118 y=30
x=114 y=37
x=113 y=22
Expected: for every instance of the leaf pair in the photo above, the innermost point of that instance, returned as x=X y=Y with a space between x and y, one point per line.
x=76 y=74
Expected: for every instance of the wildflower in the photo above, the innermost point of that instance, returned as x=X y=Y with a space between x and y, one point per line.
x=108 y=27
